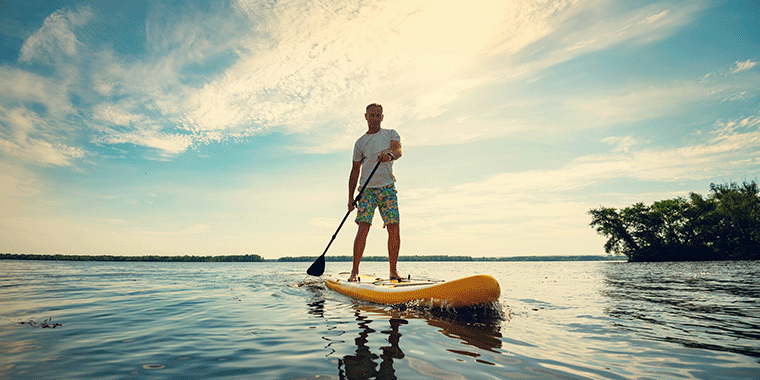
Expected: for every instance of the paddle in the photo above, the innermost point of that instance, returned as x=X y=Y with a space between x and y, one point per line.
x=318 y=267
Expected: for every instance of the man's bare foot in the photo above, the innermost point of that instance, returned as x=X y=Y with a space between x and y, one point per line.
x=396 y=277
x=353 y=277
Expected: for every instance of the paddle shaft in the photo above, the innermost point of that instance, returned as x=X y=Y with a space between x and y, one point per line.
x=358 y=198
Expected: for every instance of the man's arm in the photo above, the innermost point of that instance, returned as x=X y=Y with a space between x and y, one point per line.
x=353 y=178
x=395 y=150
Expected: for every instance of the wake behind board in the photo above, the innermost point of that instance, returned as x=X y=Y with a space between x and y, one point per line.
x=468 y=291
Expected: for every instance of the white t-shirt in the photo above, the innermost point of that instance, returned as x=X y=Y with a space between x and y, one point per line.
x=366 y=150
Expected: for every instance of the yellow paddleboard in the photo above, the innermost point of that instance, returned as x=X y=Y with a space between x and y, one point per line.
x=468 y=291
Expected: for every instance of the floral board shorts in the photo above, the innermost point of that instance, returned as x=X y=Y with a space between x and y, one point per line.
x=382 y=197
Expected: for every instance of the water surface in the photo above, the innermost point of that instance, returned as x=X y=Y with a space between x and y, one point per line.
x=554 y=320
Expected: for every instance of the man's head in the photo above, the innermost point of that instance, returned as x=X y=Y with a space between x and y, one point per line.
x=374 y=116
x=375 y=105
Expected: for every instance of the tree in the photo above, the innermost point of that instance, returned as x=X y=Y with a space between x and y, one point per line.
x=738 y=218
x=726 y=225
x=609 y=222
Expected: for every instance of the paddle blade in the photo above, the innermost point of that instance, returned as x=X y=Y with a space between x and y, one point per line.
x=318 y=267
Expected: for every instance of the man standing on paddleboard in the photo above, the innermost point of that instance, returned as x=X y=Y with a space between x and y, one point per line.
x=382 y=145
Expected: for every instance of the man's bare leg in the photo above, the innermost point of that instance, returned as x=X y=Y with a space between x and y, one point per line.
x=394 y=246
x=359 y=243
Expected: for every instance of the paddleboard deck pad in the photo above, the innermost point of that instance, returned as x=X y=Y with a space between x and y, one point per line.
x=468 y=291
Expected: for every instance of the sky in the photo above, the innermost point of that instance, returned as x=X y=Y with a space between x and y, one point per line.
x=227 y=128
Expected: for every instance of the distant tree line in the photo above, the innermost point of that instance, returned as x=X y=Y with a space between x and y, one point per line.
x=257 y=258
x=238 y=258
x=450 y=258
x=376 y=258
x=723 y=226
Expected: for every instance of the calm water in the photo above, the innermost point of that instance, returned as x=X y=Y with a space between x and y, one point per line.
x=555 y=320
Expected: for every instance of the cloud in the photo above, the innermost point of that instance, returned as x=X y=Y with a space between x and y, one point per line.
x=133 y=102
x=730 y=147
x=112 y=114
x=23 y=88
x=633 y=103
x=316 y=63
x=56 y=39
x=299 y=68
x=308 y=68
x=552 y=200
x=743 y=66
x=622 y=144
x=166 y=143
x=737 y=134
x=308 y=65
x=25 y=135
x=36 y=110
x=537 y=35
x=550 y=113
x=141 y=131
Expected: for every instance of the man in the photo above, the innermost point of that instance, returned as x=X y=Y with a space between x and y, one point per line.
x=382 y=145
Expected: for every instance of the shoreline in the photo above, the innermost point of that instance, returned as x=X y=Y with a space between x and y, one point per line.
x=257 y=258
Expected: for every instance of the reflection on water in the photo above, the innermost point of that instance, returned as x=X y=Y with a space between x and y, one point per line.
x=362 y=365
x=477 y=327
x=706 y=305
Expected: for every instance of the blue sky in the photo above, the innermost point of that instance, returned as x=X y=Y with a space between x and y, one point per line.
x=178 y=127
